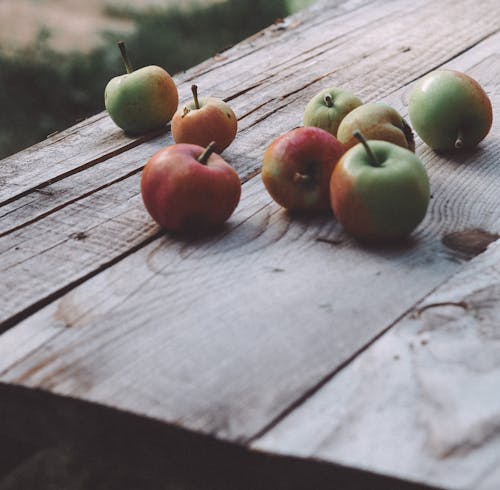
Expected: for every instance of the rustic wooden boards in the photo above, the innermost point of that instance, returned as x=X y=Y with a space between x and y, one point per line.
x=267 y=84
x=227 y=334
x=426 y=395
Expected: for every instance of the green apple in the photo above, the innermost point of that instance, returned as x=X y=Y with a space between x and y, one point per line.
x=450 y=110
x=141 y=100
x=377 y=122
x=327 y=108
x=379 y=191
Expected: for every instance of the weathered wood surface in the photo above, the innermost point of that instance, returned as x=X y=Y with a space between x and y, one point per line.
x=227 y=334
x=426 y=395
x=268 y=88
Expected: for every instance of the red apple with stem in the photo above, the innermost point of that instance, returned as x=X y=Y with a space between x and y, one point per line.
x=203 y=120
x=187 y=188
x=297 y=167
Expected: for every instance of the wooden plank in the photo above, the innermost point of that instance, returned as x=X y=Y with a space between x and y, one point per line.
x=98 y=139
x=423 y=402
x=28 y=206
x=50 y=199
x=86 y=144
x=251 y=75
x=84 y=212
x=239 y=327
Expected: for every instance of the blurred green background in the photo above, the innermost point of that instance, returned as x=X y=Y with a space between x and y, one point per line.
x=44 y=88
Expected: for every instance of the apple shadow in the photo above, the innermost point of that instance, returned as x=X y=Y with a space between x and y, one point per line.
x=309 y=217
x=462 y=157
x=199 y=234
x=339 y=236
x=394 y=246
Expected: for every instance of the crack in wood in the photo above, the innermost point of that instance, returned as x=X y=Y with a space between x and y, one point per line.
x=9 y=322
x=95 y=161
x=69 y=202
x=418 y=312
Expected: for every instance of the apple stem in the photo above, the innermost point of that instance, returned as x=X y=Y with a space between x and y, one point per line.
x=126 y=59
x=203 y=158
x=328 y=100
x=459 y=142
x=359 y=136
x=194 y=89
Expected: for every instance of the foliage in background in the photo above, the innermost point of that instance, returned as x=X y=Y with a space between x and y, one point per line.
x=42 y=91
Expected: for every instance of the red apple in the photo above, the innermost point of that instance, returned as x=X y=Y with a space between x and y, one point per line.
x=297 y=168
x=186 y=188
x=204 y=120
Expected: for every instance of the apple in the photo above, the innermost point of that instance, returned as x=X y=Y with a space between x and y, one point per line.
x=450 y=110
x=327 y=108
x=379 y=191
x=204 y=120
x=141 y=100
x=297 y=167
x=186 y=188
x=377 y=122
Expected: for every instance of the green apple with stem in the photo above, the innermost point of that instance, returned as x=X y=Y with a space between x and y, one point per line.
x=449 y=110
x=327 y=108
x=205 y=119
x=141 y=100
x=376 y=121
x=379 y=191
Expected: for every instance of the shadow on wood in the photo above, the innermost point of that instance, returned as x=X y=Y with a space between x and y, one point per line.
x=115 y=450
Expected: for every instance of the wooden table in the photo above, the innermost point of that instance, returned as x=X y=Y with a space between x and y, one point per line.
x=278 y=352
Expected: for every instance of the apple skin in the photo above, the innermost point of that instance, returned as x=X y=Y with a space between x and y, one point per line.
x=141 y=101
x=379 y=203
x=214 y=120
x=297 y=167
x=377 y=122
x=446 y=105
x=183 y=195
x=327 y=108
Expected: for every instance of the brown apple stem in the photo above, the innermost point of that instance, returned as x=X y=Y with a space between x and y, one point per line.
x=126 y=59
x=203 y=158
x=459 y=142
x=373 y=159
x=328 y=100
x=194 y=89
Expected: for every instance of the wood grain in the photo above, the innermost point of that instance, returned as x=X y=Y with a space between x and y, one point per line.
x=97 y=139
x=87 y=212
x=423 y=402
x=263 y=75
x=224 y=321
x=227 y=334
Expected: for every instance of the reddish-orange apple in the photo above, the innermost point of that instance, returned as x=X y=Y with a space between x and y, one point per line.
x=187 y=188
x=204 y=120
x=297 y=168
